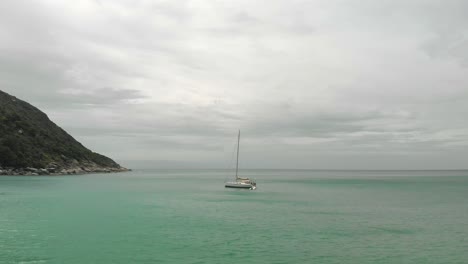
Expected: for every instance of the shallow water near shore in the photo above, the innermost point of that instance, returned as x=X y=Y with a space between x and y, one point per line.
x=187 y=216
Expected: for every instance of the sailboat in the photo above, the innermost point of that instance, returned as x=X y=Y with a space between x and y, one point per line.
x=239 y=182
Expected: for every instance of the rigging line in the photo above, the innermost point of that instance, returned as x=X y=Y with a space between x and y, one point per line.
x=229 y=164
x=237 y=160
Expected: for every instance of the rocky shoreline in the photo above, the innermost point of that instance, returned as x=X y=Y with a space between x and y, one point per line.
x=73 y=168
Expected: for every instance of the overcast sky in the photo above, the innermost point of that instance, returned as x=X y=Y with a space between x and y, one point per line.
x=349 y=84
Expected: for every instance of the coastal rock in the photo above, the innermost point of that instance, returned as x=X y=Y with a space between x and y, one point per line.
x=43 y=172
x=68 y=170
x=30 y=169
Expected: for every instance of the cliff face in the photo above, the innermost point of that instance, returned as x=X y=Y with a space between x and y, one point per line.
x=32 y=144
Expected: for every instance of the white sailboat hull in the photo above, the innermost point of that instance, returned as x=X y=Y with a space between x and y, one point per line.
x=239 y=185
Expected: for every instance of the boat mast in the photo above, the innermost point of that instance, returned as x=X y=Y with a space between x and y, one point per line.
x=237 y=163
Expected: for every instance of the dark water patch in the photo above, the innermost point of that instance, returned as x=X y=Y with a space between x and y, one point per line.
x=413 y=183
x=259 y=202
x=395 y=230
x=341 y=213
x=32 y=261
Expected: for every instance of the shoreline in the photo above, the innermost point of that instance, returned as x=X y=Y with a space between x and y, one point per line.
x=30 y=171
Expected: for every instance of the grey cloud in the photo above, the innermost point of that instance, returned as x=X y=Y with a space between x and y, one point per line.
x=102 y=96
x=313 y=125
x=452 y=46
x=309 y=83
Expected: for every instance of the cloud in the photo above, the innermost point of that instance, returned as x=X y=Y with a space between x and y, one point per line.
x=336 y=82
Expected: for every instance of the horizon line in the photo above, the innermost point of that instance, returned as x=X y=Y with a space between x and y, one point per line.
x=308 y=169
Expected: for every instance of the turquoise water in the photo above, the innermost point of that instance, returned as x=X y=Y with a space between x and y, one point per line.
x=188 y=217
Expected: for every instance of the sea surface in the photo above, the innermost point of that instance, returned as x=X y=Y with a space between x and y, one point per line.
x=187 y=216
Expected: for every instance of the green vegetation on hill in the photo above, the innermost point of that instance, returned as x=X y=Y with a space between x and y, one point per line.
x=29 y=139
